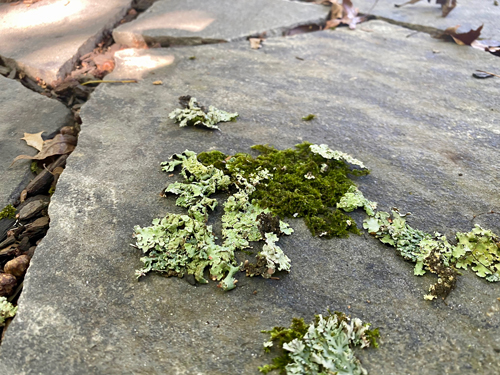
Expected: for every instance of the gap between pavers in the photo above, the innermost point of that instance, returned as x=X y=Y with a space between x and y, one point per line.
x=426 y=16
x=191 y=22
x=416 y=118
x=23 y=111
x=46 y=39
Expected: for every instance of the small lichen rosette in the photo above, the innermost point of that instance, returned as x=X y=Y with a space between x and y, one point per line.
x=7 y=310
x=323 y=347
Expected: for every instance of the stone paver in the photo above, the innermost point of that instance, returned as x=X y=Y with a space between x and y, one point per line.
x=417 y=119
x=23 y=111
x=469 y=14
x=45 y=39
x=190 y=22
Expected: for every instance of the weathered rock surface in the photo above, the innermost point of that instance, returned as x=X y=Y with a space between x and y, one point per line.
x=190 y=22
x=425 y=15
x=45 y=39
x=417 y=119
x=23 y=111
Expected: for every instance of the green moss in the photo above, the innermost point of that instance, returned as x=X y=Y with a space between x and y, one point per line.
x=303 y=184
x=309 y=117
x=8 y=212
x=34 y=167
x=322 y=347
x=7 y=310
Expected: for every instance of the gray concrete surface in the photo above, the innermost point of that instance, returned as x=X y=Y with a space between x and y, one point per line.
x=46 y=39
x=416 y=118
x=23 y=111
x=424 y=15
x=190 y=22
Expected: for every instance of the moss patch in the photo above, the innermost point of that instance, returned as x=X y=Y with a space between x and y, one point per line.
x=303 y=184
x=8 y=212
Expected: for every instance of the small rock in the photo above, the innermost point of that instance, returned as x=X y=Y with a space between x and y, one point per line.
x=31 y=251
x=36 y=229
x=7 y=284
x=17 y=266
x=24 y=245
x=32 y=209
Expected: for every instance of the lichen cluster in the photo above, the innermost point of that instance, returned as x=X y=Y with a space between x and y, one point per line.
x=322 y=347
x=7 y=310
x=288 y=183
x=479 y=249
x=194 y=114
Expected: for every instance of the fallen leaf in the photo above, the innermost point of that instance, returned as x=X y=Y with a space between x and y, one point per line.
x=336 y=10
x=463 y=39
x=61 y=144
x=158 y=82
x=349 y=16
x=23 y=196
x=34 y=140
x=255 y=43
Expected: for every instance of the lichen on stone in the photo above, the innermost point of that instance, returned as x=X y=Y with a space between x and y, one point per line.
x=328 y=153
x=353 y=199
x=8 y=212
x=7 y=310
x=429 y=252
x=479 y=249
x=194 y=114
x=322 y=347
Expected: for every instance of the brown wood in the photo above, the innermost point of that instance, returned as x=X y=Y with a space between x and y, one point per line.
x=42 y=182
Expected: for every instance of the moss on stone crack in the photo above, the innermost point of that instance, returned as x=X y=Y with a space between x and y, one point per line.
x=8 y=212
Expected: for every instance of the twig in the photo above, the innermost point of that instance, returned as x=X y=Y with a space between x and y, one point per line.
x=483 y=71
x=110 y=81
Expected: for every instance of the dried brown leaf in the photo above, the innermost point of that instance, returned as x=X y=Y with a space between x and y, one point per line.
x=349 y=16
x=255 y=43
x=159 y=82
x=463 y=38
x=447 y=6
x=61 y=144
x=34 y=140
x=336 y=10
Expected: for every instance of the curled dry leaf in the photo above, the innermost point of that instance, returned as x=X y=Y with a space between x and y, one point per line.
x=61 y=144
x=463 y=39
x=158 y=82
x=349 y=15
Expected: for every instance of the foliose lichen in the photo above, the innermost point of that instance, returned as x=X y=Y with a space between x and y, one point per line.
x=8 y=212
x=322 y=347
x=184 y=244
x=194 y=114
x=7 y=310
x=354 y=199
x=478 y=249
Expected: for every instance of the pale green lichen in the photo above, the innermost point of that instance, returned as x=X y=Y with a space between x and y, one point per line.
x=430 y=252
x=8 y=212
x=7 y=310
x=183 y=244
x=479 y=249
x=195 y=115
x=323 y=347
x=328 y=153
x=274 y=256
x=354 y=199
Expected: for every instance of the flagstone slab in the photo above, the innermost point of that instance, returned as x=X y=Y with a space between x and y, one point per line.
x=23 y=111
x=427 y=130
x=427 y=16
x=45 y=39
x=190 y=22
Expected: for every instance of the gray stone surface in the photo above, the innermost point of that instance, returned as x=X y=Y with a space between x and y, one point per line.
x=470 y=14
x=45 y=39
x=23 y=111
x=190 y=22
x=416 y=118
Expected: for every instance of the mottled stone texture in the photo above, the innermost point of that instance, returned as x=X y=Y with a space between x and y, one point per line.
x=190 y=22
x=417 y=119
x=46 y=39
